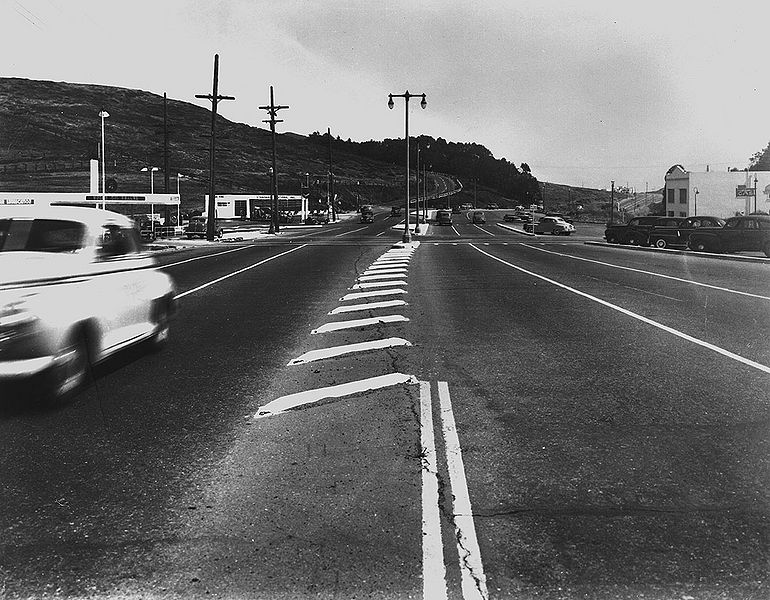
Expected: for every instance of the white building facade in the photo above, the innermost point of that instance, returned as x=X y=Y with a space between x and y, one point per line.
x=715 y=193
x=247 y=206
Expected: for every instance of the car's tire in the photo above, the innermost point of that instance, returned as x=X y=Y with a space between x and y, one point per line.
x=162 y=312
x=699 y=246
x=72 y=370
x=766 y=249
x=611 y=239
x=661 y=243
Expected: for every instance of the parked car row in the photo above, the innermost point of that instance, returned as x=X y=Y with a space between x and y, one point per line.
x=699 y=233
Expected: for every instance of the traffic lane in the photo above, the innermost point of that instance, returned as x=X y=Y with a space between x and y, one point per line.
x=98 y=487
x=330 y=491
x=725 y=315
x=609 y=470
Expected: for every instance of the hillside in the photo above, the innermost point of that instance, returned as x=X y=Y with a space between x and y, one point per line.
x=50 y=130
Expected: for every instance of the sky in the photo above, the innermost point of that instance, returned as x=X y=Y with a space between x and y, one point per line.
x=583 y=92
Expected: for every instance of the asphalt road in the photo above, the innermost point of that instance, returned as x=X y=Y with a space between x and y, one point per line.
x=519 y=418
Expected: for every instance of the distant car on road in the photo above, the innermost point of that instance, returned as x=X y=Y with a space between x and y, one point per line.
x=554 y=226
x=367 y=214
x=76 y=287
x=395 y=211
x=444 y=217
x=317 y=218
x=749 y=233
x=492 y=206
x=478 y=217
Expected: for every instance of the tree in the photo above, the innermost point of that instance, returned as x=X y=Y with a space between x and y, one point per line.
x=760 y=161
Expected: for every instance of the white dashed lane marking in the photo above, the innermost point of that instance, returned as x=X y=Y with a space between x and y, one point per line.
x=357 y=323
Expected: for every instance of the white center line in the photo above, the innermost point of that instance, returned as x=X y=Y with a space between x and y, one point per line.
x=474 y=581
x=433 y=569
x=212 y=255
x=671 y=330
x=262 y=262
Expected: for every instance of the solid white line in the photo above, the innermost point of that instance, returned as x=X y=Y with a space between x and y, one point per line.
x=433 y=569
x=284 y=403
x=598 y=262
x=371 y=294
x=181 y=262
x=355 y=323
x=484 y=230
x=455 y=230
x=671 y=330
x=353 y=231
x=262 y=262
x=376 y=284
x=367 y=306
x=323 y=353
x=396 y=274
x=379 y=234
x=474 y=581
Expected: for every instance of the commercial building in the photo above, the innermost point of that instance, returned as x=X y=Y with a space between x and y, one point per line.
x=255 y=206
x=717 y=193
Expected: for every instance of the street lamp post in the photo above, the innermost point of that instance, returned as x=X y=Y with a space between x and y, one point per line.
x=417 y=195
x=755 y=193
x=152 y=170
x=103 y=114
x=406 y=96
x=612 y=204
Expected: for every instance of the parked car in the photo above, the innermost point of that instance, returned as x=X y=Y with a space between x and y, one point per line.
x=492 y=206
x=635 y=232
x=554 y=226
x=560 y=215
x=197 y=228
x=75 y=288
x=444 y=217
x=749 y=233
x=456 y=210
x=395 y=211
x=317 y=218
x=466 y=207
x=675 y=231
x=478 y=217
x=512 y=217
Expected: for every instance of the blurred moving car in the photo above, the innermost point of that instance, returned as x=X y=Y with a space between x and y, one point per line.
x=75 y=288
x=478 y=217
x=444 y=217
x=554 y=226
x=665 y=234
x=197 y=228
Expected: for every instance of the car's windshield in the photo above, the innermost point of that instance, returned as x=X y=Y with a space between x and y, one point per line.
x=41 y=235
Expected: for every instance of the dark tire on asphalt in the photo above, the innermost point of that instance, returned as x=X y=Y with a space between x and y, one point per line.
x=660 y=243
x=73 y=368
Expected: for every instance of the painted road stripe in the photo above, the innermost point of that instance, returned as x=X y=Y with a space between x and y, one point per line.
x=484 y=230
x=605 y=264
x=671 y=330
x=474 y=581
x=284 y=403
x=368 y=306
x=354 y=323
x=371 y=294
x=376 y=284
x=201 y=257
x=381 y=276
x=262 y=262
x=353 y=231
x=388 y=266
x=323 y=353
x=390 y=261
x=433 y=569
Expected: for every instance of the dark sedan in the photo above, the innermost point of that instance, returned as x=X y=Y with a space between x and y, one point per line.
x=674 y=231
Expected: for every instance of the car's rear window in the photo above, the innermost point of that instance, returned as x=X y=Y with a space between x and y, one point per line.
x=41 y=235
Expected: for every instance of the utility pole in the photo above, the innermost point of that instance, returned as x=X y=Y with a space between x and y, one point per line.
x=214 y=97
x=612 y=204
x=272 y=110
x=331 y=176
x=165 y=143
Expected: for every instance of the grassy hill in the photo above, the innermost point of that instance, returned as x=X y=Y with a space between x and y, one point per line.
x=50 y=130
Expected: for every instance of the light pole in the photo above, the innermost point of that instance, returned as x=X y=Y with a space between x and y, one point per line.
x=695 y=192
x=755 y=193
x=612 y=204
x=103 y=114
x=152 y=170
x=417 y=196
x=406 y=96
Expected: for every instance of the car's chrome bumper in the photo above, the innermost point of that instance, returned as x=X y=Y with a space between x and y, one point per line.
x=11 y=370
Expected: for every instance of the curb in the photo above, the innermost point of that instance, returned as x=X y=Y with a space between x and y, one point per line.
x=712 y=255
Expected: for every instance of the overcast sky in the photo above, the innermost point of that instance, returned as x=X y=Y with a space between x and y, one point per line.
x=583 y=92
